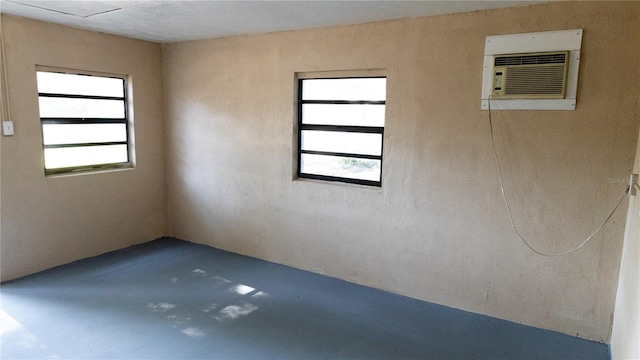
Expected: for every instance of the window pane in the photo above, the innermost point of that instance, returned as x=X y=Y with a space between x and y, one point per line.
x=81 y=108
x=343 y=114
x=84 y=155
x=71 y=84
x=55 y=134
x=342 y=142
x=362 y=169
x=344 y=89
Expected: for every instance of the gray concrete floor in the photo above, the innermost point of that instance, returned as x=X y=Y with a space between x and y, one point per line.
x=170 y=299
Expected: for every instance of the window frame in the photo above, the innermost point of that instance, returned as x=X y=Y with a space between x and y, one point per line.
x=339 y=128
x=126 y=121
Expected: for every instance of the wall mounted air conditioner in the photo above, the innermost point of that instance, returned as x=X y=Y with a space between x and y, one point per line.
x=533 y=71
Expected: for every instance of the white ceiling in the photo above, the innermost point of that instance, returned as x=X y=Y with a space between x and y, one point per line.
x=179 y=20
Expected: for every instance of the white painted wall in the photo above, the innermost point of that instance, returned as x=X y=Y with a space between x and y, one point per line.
x=437 y=230
x=49 y=221
x=626 y=321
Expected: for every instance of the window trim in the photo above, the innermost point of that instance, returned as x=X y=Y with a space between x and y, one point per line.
x=126 y=120
x=339 y=128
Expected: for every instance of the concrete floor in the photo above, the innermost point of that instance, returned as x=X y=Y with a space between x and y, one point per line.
x=171 y=299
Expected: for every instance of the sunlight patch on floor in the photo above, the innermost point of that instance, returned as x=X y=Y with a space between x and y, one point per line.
x=177 y=320
x=13 y=333
x=219 y=280
x=260 y=294
x=8 y=324
x=194 y=332
x=242 y=289
x=199 y=272
x=210 y=307
x=181 y=319
x=160 y=307
x=233 y=312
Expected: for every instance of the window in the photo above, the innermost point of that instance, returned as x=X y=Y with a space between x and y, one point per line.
x=341 y=129
x=84 y=121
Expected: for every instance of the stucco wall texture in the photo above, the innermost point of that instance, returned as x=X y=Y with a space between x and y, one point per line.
x=438 y=229
x=49 y=221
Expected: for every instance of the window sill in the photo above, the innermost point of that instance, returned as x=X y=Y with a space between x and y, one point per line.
x=339 y=184
x=90 y=171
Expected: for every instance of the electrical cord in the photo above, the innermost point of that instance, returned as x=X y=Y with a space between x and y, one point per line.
x=513 y=225
x=5 y=111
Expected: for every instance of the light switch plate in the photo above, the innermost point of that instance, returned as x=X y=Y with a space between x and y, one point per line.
x=7 y=128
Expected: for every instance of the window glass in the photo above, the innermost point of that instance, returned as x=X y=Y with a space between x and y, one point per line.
x=73 y=84
x=56 y=134
x=81 y=108
x=341 y=129
x=354 y=89
x=342 y=142
x=66 y=157
x=84 y=121
x=343 y=167
x=343 y=114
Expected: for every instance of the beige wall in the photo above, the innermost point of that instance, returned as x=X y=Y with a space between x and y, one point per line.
x=48 y=221
x=438 y=229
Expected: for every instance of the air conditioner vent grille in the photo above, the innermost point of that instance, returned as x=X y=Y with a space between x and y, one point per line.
x=537 y=59
x=530 y=76
x=541 y=80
